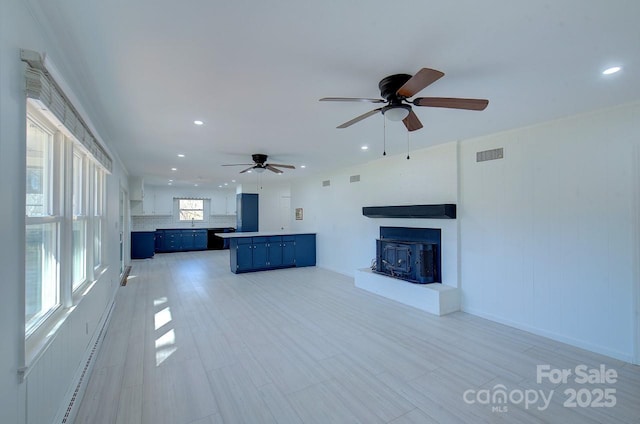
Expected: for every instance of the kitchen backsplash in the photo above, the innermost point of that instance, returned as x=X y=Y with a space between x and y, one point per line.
x=154 y=222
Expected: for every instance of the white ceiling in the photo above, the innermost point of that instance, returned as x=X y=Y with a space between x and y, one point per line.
x=253 y=71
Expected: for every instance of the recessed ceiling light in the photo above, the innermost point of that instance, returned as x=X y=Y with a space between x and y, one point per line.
x=233 y=181
x=365 y=147
x=220 y=186
x=174 y=169
x=170 y=181
x=226 y=184
x=195 y=185
x=180 y=155
x=611 y=70
x=303 y=166
x=198 y=122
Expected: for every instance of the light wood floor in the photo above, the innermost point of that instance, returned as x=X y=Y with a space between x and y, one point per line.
x=190 y=342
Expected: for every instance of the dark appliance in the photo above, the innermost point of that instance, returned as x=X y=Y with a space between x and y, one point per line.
x=411 y=261
x=218 y=243
x=411 y=254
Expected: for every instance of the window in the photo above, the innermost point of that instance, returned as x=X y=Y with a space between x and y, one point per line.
x=191 y=209
x=79 y=239
x=98 y=215
x=65 y=219
x=42 y=232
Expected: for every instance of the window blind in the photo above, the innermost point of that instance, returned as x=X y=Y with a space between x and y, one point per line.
x=41 y=87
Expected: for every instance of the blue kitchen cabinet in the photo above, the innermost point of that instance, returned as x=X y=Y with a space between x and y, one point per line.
x=274 y=246
x=305 y=250
x=159 y=244
x=288 y=251
x=200 y=239
x=242 y=254
x=247 y=212
x=271 y=252
x=172 y=240
x=186 y=240
x=260 y=252
x=142 y=244
x=180 y=240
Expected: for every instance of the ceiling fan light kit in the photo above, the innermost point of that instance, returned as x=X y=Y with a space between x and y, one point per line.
x=396 y=112
x=396 y=91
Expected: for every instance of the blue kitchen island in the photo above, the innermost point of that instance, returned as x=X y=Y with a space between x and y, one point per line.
x=260 y=251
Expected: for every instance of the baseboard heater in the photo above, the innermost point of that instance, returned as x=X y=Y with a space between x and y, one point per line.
x=441 y=211
x=66 y=415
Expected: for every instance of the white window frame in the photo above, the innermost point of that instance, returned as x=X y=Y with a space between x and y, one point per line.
x=51 y=216
x=188 y=210
x=80 y=218
x=91 y=208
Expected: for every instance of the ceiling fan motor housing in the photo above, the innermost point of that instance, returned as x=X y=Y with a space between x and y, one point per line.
x=259 y=158
x=390 y=85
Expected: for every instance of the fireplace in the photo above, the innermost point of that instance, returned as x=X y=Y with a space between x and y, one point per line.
x=411 y=254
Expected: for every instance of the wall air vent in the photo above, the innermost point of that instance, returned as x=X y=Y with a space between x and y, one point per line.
x=490 y=155
x=354 y=178
x=326 y=183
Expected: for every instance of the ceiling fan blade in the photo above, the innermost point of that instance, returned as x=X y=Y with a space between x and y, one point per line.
x=248 y=169
x=412 y=122
x=452 y=103
x=420 y=80
x=350 y=99
x=272 y=169
x=238 y=164
x=359 y=118
x=283 y=166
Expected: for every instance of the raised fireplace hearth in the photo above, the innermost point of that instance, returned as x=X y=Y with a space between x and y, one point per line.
x=410 y=254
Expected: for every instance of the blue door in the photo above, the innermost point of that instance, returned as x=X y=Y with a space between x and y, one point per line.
x=288 y=251
x=260 y=252
x=243 y=253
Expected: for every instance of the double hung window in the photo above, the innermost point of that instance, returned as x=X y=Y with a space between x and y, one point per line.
x=65 y=219
x=43 y=224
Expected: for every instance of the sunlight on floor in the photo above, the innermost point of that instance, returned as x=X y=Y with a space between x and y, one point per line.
x=166 y=343
x=165 y=346
x=162 y=318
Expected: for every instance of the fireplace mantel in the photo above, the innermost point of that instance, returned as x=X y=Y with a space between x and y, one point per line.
x=441 y=211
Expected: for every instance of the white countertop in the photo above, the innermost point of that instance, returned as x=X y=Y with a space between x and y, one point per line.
x=260 y=234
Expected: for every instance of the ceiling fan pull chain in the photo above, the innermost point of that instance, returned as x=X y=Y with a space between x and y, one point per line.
x=408 y=145
x=384 y=138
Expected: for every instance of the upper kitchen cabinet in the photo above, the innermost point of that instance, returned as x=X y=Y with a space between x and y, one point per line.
x=163 y=202
x=136 y=189
x=219 y=203
x=231 y=203
x=148 y=202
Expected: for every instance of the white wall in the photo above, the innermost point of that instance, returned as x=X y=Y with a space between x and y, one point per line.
x=274 y=207
x=548 y=234
x=346 y=239
x=16 y=31
x=39 y=397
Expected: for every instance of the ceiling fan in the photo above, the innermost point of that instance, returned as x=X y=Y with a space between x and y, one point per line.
x=396 y=90
x=260 y=164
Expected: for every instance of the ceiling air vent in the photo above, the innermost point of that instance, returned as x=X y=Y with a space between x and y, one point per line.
x=490 y=155
x=354 y=178
x=326 y=183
